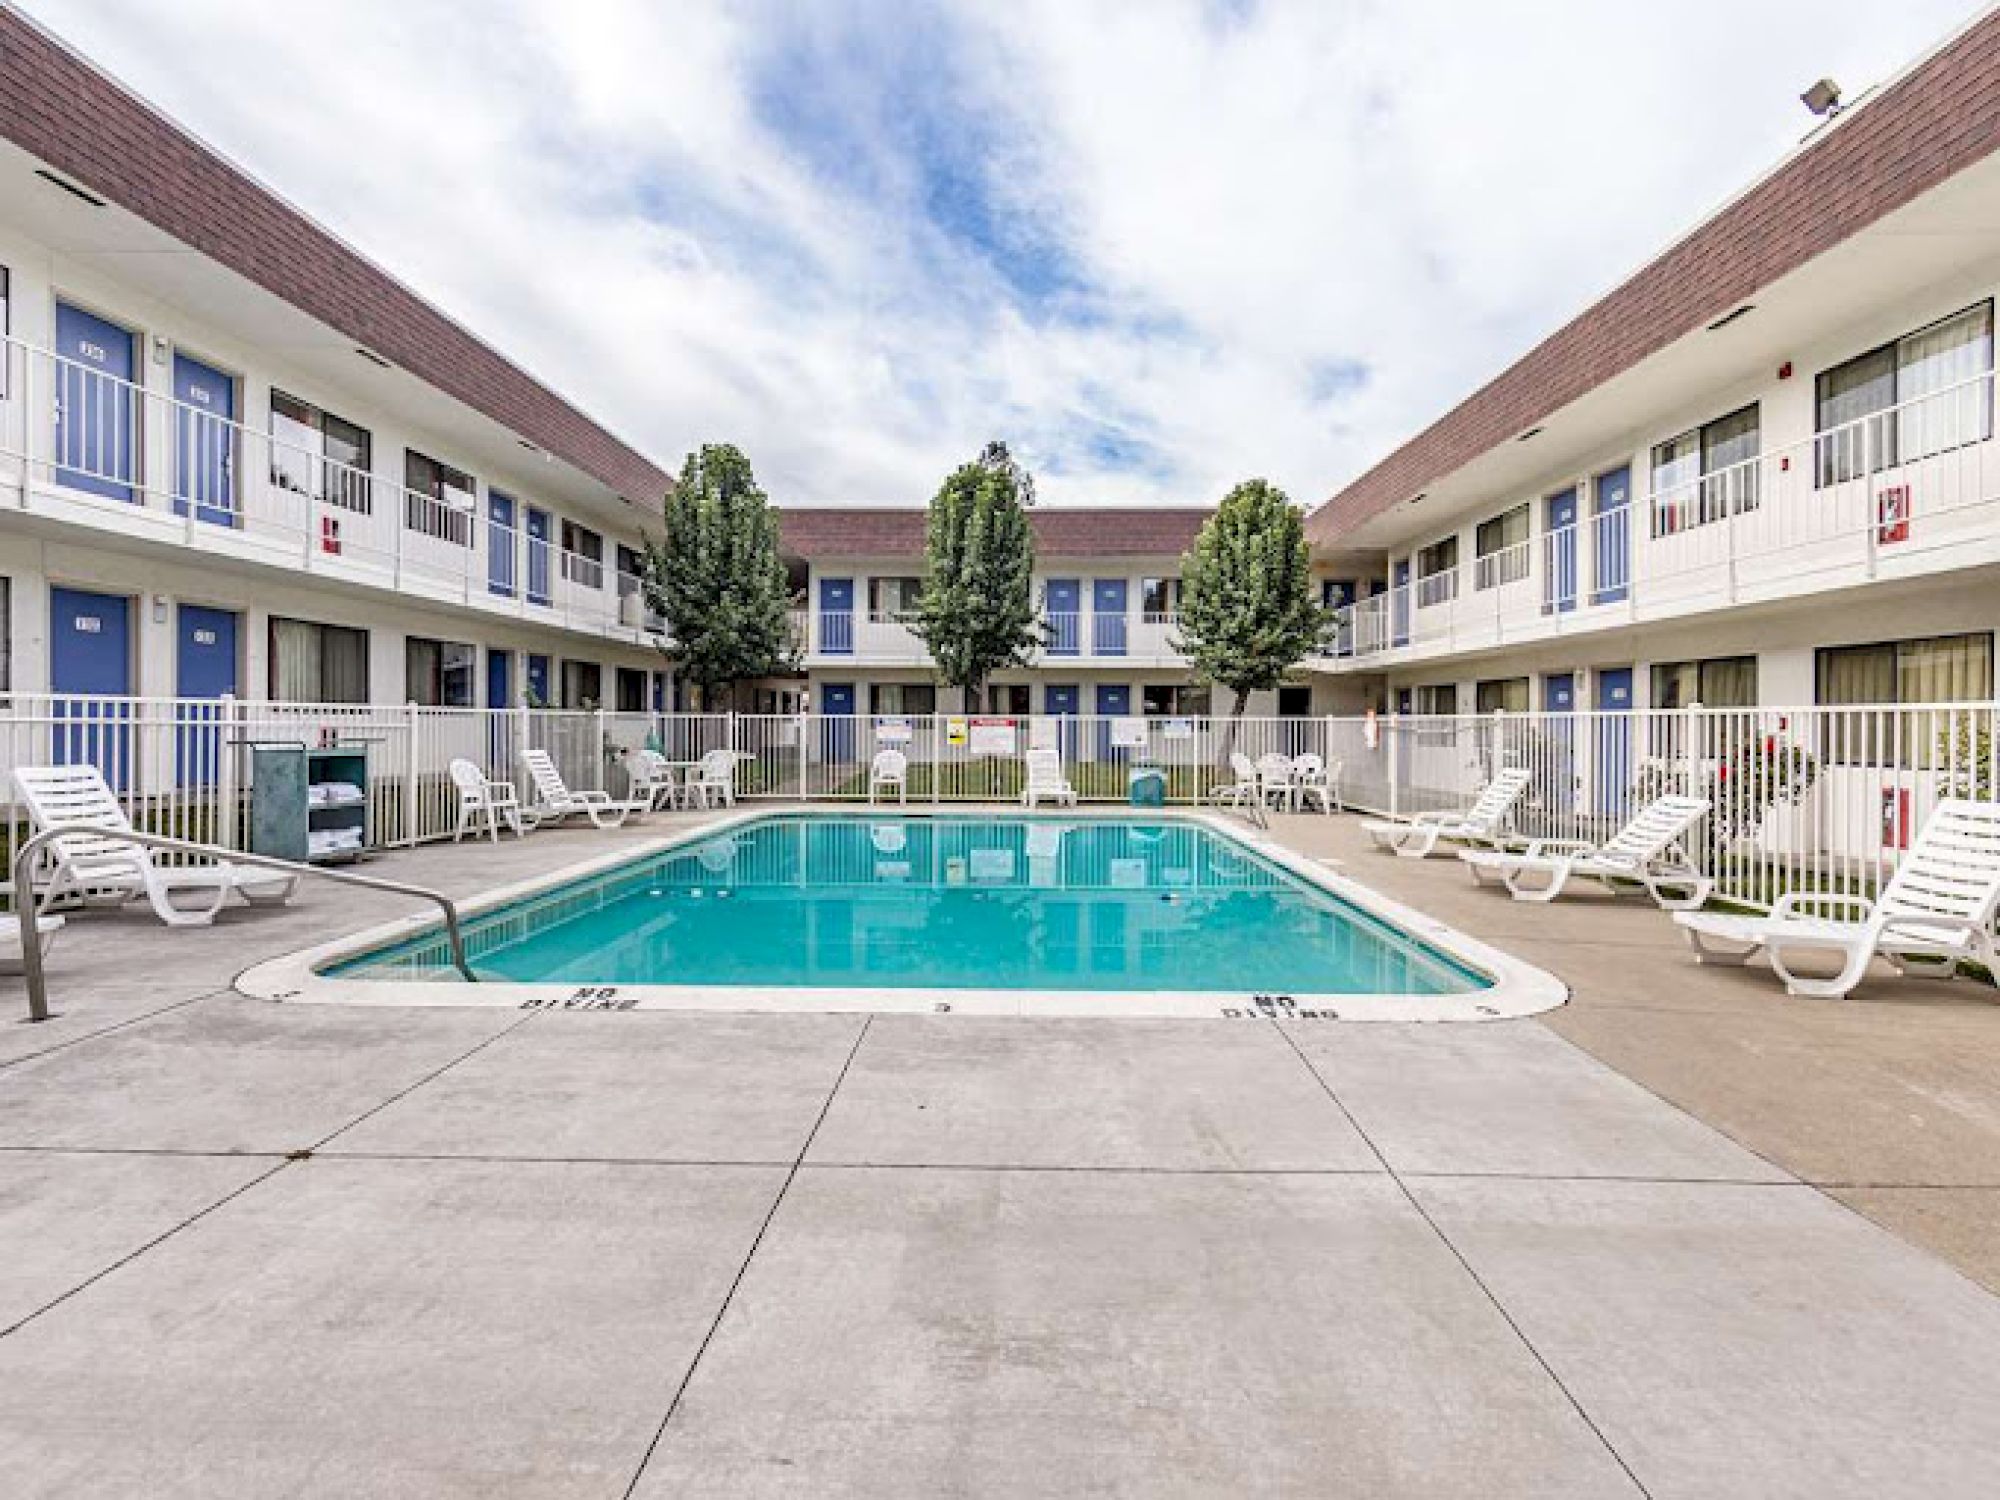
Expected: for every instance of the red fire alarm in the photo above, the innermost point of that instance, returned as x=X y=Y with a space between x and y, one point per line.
x=1785 y=370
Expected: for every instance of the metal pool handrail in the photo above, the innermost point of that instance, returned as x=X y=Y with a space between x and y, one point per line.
x=28 y=911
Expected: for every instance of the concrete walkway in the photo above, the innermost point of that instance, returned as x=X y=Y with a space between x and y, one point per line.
x=258 y=1250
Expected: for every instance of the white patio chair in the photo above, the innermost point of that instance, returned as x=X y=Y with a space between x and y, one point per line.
x=1646 y=852
x=480 y=798
x=1479 y=824
x=12 y=959
x=1313 y=778
x=1936 y=911
x=653 y=778
x=890 y=771
x=554 y=801
x=1046 y=781
x=101 y=869
x=714 y=780
x=1245 y=788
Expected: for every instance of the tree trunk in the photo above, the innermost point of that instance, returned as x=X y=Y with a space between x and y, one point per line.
x=1235 y=717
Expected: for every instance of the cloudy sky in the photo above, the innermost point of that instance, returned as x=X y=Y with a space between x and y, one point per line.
x=1158 y=246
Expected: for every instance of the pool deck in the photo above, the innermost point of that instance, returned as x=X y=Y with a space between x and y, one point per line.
x=1683 y=1237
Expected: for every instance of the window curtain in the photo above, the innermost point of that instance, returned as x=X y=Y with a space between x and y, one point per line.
x=1848 y=445
x=1729 y=682
x=295 y=674
x=1857 y=674
x=344 y=665
x=423 y=671
x=1943 y=403
x=1950 y=669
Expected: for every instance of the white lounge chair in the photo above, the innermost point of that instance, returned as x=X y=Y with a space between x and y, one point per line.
x=653 y=778
x=101 y=869
x=1314 y=778
x=1937 y=909
x=714 y=780
x=482 y=799
x=11 y=957
x=1646 y=852
x=889 y=772
x=1480 y=823
x=1046 y=781
x=554 y=801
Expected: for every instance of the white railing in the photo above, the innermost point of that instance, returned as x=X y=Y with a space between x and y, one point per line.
x=92 y=449
x=1912 y=489
x=1819 y=797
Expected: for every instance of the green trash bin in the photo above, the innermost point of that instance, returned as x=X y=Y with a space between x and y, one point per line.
x=1146 y=786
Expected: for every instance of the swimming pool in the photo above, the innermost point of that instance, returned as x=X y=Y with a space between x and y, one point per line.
x=1080 y=914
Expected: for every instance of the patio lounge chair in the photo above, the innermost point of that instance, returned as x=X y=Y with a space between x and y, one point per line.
x=714 y=780
x=1276 y=778
x=1046 y=781
x=1245 y=789
x=1314 y=778
x=1478 y=824
x=554 y=801
x=889 y=772
x=1645 y=852
x=480 y=798
x=1937 y=909
x=11 y=958
x=101 y=869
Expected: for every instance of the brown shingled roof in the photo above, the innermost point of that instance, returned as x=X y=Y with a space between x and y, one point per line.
x=1939 y=118
x=59 y=108
x=1100 y=531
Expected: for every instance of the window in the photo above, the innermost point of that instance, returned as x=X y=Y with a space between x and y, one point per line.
x=1706 y=474
x=1941 y=669
x=438 y=674
x=1502 y=695
x=891 y=599
x=582 y=555
x=1159 y=600
x=1501 y=549
x=1720 y=682
x=582 y=684
x=1437 y=698
x=1921 y=395
x=1174 y=700
x=316 y=454
x=631 y=684
x=441 y=499
x=6 y=636
x=1007 y=698
x=902 y=698
x=1437 y=571
x=313 y=663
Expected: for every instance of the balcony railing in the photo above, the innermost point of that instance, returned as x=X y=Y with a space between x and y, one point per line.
x=93 y=449
x=1890 y=493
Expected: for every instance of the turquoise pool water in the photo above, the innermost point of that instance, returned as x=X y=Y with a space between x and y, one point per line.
x=858 y=902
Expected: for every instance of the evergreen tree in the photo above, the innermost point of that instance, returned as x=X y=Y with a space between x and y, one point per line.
x=717 y=578
x=977 y=610
x=1247 y=612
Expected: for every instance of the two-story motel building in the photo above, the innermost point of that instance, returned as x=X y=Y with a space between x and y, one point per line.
x=1761 y=471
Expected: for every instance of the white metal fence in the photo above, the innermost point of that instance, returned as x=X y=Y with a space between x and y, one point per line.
x=1825 y=797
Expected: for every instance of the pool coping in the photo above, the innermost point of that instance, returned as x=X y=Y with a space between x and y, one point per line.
x=1518 y=989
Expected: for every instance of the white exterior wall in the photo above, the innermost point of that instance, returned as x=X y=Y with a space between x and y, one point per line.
x=50 y=536
x=1803 y=564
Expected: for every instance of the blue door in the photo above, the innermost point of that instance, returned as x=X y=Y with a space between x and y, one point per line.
x=539 y=533
x=538 y=682
x=502 y=564
x=1065 y=699
x=836 y=706
x=205 y=667
x=1114 y=701
x=1559 y=584
x=1065 y=607
x=1559 y=692
x=204 y=442
x=1107 y=626
x=1555 y=788
x=90 y=652
x=836 y=621
x=1612 y=525
x=97 y=425
x=499 y=679
x=1399 y=605
x=1614 y=739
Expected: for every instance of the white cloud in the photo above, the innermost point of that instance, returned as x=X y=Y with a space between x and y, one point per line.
x=1157 y=246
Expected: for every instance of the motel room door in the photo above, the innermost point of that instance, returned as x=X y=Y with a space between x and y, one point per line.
x=90 y=654
x=204 y=442
x=1559 y=584
x=1613 y=749
x=97 y=426
x=205 y=668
